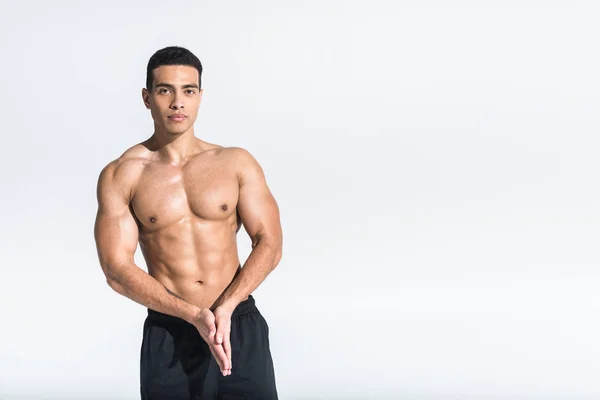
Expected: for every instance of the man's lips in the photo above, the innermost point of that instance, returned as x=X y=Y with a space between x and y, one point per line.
x=177 y=117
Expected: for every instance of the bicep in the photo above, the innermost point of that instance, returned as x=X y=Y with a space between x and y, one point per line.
x=115 y=230
x=257 y=207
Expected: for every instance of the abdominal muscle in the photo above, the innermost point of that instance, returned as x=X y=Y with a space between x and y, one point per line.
x=194 y=259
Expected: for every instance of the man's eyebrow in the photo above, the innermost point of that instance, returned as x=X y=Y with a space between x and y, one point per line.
x=189 y=85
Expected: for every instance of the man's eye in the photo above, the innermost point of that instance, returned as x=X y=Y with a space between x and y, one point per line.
x=191 y=91
x=162 y=90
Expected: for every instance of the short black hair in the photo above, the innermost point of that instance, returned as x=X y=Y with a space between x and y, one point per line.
x=172 y=55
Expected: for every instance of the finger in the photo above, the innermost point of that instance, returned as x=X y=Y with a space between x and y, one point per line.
x=212 y=329
x=217 y=359
x=208 y=325
x=226 y=362
x=227 y=348
x=211 y=335
x=221 y=324
x=223 y=338
x=221 y=357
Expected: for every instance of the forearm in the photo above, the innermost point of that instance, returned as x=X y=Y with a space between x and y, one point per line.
x=262 y=260
x=136 y=284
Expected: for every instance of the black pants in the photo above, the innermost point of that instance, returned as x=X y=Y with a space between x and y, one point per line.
x=176 y=363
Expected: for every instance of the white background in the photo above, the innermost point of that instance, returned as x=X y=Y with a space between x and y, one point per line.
x=435 y=162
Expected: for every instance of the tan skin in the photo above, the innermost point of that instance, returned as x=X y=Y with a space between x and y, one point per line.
x=184 y=200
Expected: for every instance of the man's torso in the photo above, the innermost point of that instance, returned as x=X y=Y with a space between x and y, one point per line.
x=187 y=219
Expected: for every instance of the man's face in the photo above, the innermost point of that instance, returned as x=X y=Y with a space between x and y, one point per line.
x=174 y=92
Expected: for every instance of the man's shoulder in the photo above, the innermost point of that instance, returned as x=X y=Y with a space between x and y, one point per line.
x=137 y=154
x=237 y=153
x=127 y=167
x=241 y=159
x=245 y=165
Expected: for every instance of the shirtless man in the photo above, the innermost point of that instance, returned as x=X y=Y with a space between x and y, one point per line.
x=184 y=200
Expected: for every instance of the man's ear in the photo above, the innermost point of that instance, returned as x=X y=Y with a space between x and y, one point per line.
x=146 y=97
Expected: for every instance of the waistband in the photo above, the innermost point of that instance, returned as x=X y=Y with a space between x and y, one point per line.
x=244 y=307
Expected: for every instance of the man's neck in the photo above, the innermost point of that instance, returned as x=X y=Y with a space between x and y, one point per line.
x=174 y=149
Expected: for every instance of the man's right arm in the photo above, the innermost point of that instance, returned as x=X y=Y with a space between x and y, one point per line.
x=116 y=234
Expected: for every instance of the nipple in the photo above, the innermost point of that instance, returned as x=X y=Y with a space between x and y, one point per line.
x=224 y=207
x=152 y=219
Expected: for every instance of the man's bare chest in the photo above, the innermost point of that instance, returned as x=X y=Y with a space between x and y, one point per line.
x=165 y=195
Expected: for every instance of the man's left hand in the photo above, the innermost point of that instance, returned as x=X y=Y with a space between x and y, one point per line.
x=223 y=322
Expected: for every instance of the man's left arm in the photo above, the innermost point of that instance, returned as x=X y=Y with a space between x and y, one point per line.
x=259 y=214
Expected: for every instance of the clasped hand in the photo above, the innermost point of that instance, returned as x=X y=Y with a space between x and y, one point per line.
x=215 y=329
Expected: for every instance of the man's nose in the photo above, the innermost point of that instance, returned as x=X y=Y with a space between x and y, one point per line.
x=177 y=102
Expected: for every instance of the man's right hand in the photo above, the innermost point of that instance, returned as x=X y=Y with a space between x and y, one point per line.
x=205 y=323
